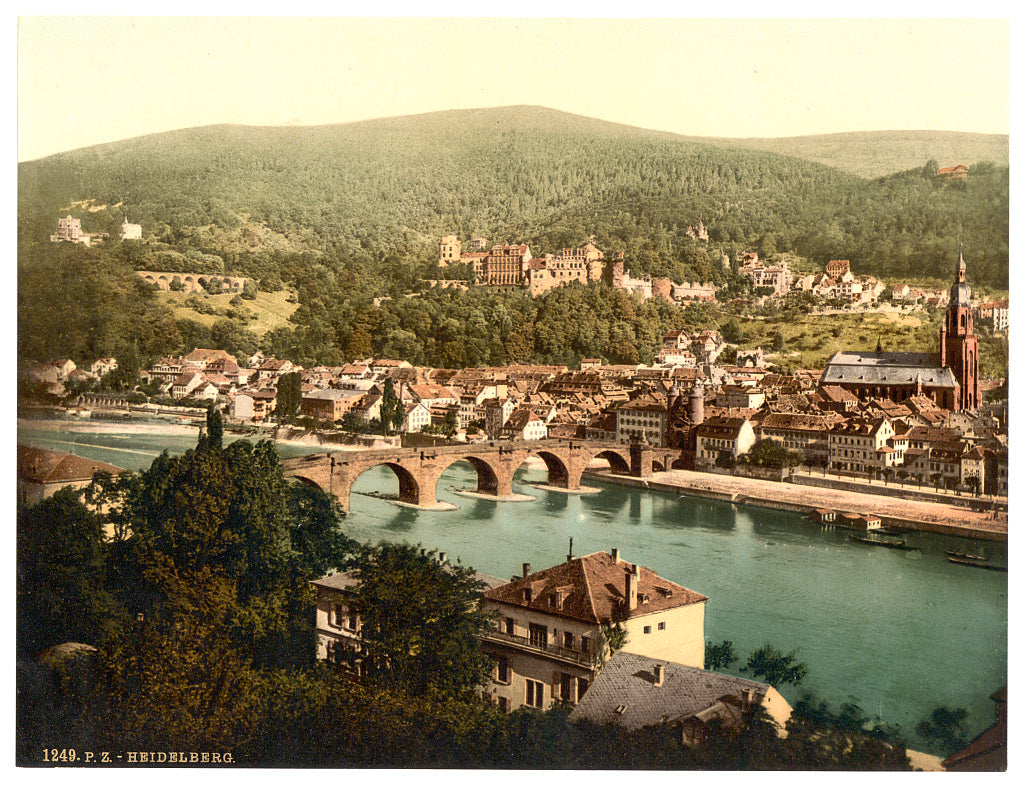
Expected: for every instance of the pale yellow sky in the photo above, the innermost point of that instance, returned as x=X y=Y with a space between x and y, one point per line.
x=83 y=81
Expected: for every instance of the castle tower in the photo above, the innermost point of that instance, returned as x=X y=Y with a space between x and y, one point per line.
x=958 y=344
x=673 y=397
x=697 y=404
x=450 y=250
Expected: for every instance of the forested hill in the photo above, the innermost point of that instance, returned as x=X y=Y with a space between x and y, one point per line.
x=350 y=212
x=499 y=172
x=872 y=154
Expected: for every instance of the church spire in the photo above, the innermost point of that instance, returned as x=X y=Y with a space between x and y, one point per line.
x=960 y=293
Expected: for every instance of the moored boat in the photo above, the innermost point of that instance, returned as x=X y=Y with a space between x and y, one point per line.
x=892 y=544
x=984 y=564
x=966 y=556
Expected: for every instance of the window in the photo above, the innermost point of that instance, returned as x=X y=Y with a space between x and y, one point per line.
x=510 y=626
x=585 y=644
x=581 y=687
x=503 y=670
x=565 y=688
x=352 y=621
x=647 y=630
x=661 y=625
x=538 y=635
x=567 y=639
x=534 y=694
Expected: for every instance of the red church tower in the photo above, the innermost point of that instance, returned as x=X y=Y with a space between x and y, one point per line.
x=958 y=344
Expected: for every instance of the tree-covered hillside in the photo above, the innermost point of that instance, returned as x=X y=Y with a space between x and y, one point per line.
x=343 y=214
x=873 y=154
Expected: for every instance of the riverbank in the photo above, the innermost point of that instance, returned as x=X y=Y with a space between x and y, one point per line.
x=894 y=512
x=170 y=429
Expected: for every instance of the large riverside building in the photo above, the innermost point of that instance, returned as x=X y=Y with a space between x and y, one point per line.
x=948 y=377
x=554 y=626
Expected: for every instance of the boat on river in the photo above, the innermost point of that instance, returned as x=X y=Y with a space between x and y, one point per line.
x=982 y=564
x=892 y=544
x=966 y=556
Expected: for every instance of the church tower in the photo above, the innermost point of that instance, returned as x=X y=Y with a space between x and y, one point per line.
x=958 y=344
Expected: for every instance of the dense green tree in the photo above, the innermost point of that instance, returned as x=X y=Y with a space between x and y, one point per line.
x=774 y=667
x=420 y=622
x=945 y=729
x=719 y=655
x=767 y=453
x=228 y=513
x=61 y=585
x=289 y=396
x=391 y=411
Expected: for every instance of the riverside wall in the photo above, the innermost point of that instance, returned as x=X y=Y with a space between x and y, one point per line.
x=906 y=514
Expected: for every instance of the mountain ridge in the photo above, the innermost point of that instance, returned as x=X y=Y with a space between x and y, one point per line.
x=867 y=154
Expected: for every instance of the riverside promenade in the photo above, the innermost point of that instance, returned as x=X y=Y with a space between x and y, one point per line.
x=933 y=517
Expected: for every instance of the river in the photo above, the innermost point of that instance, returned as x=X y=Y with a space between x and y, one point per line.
x=896 y=633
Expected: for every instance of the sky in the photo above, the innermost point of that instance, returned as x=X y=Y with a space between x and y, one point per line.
x=87 y=80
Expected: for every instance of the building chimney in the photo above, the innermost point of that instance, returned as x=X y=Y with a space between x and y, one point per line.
x=569 y=556
x=615 y=554
x=659 y=675
x=526 y=570
x=631 y=587
x=442 y=558
x=745 y=697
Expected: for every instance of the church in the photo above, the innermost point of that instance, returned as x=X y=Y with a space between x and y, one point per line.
x=949 y=377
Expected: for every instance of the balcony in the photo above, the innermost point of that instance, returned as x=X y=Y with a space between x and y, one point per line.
x=584 y=658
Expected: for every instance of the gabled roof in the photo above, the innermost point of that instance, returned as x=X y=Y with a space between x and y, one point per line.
x=626 y=692
x=852 y=368
x=41 y=466
x=593 y=589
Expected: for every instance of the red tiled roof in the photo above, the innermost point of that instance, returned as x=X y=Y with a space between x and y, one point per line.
x=593 y=588
x=41 y=466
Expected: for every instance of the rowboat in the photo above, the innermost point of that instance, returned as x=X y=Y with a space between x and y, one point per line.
x=897 y=544
x=983 y=564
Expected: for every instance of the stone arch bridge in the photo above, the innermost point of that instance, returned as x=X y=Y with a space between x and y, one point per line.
x=496 y=462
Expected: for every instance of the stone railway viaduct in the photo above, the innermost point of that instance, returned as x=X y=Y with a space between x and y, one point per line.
x=495 y=462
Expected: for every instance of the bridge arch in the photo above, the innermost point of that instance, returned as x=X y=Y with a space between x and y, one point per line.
x=558 y=472
x=618 y=463
x=488 y=481
x=408 y=486
x=309 y=481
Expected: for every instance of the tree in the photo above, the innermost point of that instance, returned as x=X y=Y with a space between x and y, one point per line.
x=945 y=729
x=767 y=453
x=973 y=483
x=902 y=476
x=420 y=622
x=61 y=589
x=226 y=516
x=214 y=438
x=391 y=412
x=450 y=423
x=719 y=655
x=774 y=667
x=731 y=332
x=289 y=396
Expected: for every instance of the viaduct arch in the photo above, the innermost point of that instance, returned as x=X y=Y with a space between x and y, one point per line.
x=496 y=462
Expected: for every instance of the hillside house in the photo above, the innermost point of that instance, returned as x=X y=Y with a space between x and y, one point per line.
x=548 y=643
